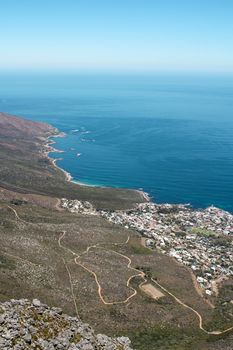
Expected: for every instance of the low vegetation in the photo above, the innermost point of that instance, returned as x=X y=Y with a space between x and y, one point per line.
x=33 y=265
x=203 y=232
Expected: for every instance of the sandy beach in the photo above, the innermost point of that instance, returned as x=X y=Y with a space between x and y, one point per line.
x=49 y=149
x=67 y=175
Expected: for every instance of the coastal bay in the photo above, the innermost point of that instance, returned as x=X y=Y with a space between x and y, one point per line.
x=168 y=135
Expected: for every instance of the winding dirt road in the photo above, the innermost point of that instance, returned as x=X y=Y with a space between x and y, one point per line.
x=98 y=246
x=193 y=310
x=139 y=274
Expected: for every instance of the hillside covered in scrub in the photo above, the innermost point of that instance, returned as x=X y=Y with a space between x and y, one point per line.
x=56 y=247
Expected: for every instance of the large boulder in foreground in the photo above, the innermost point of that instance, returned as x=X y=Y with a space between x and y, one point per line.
x=33 y=325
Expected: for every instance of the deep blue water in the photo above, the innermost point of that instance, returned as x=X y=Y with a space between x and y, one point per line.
x=170 y=135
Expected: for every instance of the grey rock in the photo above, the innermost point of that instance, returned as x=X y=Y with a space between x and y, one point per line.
x=36 y=302
x=37 y=332
x=1 y=319
x=27 y=337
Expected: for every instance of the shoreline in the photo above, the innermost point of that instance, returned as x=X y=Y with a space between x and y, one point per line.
x=68 y=177
x=50 y=149
x=144 y=195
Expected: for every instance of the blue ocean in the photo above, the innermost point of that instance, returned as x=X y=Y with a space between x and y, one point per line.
x=170 y=135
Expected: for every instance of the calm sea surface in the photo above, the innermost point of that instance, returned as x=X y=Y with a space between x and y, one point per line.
x=170 y=135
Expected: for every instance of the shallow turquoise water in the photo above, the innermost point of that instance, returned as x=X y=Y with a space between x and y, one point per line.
x=170 y=135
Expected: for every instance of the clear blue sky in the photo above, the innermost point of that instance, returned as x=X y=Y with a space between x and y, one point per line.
x=117 y=34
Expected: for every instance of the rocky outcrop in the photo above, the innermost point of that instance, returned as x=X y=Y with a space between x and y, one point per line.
x=33 y=325
x=76 y=206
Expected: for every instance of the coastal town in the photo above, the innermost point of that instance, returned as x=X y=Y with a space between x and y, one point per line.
x=199 y=239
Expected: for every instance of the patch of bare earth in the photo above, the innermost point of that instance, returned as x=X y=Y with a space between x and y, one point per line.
x=152 y=291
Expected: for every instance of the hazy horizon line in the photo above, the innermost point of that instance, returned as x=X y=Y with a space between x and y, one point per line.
x=39 y=70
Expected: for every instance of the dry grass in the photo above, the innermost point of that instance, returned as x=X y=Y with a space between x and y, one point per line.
x=38 y=271
x=152 y=291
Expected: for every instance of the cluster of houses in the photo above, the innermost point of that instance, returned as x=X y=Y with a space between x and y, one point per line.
x=200 y=239
x=76 y=206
